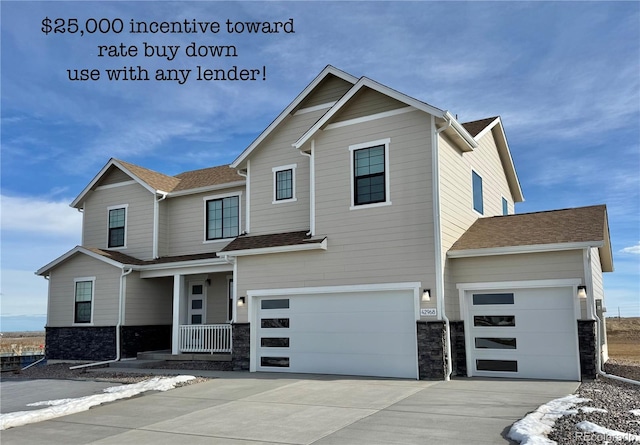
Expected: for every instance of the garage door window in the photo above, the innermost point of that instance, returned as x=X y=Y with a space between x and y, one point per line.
x=275 y=304
x=276 y=362
x=274 y=323
x=494 y=320
x=497 y=365
x=495 y=343
x=480 y=299
x=274 y=342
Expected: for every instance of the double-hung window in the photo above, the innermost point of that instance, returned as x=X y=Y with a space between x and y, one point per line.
x=284 y=183
x=478 y=204
x=370 y=170
x=222 y=217
x=117 y=226
x=83 y=301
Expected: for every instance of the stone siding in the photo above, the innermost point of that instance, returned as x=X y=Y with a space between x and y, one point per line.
x=81 y=343
x=431 y=350
x=587 y=348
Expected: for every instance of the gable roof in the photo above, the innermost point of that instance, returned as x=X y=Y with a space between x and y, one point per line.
x=328 y=70
x=540 y=231
x=187 y=182
x=475 y=127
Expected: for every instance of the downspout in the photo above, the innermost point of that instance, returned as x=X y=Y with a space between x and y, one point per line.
x=247 y=199
x=156 y=221
x=312 y=189
x=599 y=364
x=440 y=305
x=125 y=271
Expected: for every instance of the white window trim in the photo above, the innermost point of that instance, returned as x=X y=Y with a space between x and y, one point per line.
x=473 y=204
x=126 y=221
x=275 y=170
x=501 y=208
x=387 y=191
x=93 y=295
x=204 y=220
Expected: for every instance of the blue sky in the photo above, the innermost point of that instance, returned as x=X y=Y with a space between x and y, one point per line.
x=564 y=77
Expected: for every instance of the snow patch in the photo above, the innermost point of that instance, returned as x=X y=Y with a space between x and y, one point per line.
x=635 y=412
x=591 y=427
x=534 y=427
x=64 y=407
x=588 y=409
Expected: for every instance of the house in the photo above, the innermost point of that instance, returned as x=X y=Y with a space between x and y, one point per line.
x=363 y=232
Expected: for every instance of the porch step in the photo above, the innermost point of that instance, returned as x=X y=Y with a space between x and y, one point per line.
x=167 y=356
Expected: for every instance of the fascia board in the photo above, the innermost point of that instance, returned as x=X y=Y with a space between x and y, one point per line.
x=97 y=178
x=510 y=250
x=512 y=175
x=365 y=82
x=206 y=189
x=462 y=132
x=72 y=252
x=182 y=264
x=279 y=249
x=299 y=98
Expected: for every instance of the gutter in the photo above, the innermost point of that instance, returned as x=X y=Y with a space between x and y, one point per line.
x=599 y=364
x=125 y=271
x=440 y=305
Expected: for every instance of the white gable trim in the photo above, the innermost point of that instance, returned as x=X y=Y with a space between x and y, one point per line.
x=78 y=249
x=510 y=250
x=487 y=129
x=117 y=184
x=314 y=108
x=96 y=179
x=325 y=72
x=371 y=117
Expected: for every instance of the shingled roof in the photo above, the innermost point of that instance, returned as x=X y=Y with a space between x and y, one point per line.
x=582 y=225
x=475 y=127
x=244 y=242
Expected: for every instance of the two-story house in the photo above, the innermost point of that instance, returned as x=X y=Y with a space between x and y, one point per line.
x=363 y=232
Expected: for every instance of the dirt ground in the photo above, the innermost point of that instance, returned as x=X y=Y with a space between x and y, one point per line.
x=623 y=336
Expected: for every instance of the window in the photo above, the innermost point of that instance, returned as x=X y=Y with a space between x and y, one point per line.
x=370 y=167
x=494 y=320
x=479 y=299
x=505 y=207
x=83 y=299
x=117 y=226
x=497 y=365
x=222 y=217
x=478 y=205
x=284 y=183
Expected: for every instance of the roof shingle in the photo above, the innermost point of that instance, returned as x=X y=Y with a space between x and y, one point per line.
x=475 y=127
x=244 y=242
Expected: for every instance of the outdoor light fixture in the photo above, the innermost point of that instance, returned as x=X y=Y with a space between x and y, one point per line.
x=241 y=301
x=582 y=291
x=208 y=281
x=426 y=295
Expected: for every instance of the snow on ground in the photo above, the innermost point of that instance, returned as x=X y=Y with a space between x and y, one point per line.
x=534 y=427
x=589 y=409
x=64 y=407
x=590 y=427
x=635 y=412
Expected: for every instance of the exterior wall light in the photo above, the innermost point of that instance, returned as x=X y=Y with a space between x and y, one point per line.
x=241 y=301
x=426 y=295
x=582 y=291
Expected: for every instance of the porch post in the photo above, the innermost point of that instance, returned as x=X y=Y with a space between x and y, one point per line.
x=178 y=285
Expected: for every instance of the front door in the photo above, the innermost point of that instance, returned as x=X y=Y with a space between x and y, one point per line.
x=197 y=302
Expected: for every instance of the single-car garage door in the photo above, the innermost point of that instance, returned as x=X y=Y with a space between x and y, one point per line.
x=369 y=333
x=522 y=333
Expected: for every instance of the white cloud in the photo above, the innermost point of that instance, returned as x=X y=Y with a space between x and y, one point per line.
x=632 y=249
x=23 y=293
x=40 y=216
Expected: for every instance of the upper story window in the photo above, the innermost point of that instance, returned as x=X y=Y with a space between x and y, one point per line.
x=222 y=217
x=505 y=207
x=117 y=226
x=478 y=204
x=284 y=183
x=83 y=303
x=370 y=173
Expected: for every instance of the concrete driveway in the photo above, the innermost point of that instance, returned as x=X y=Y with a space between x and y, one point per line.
x=243 y=408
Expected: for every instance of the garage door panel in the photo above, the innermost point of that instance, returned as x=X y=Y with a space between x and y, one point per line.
x=349 y=333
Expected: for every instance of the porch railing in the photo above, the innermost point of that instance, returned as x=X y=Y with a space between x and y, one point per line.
x=209 y=338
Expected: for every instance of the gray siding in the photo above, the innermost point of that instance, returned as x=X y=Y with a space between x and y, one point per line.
x=217 y=298
x=516 y=267
x=185 y=222
x=386 y=244
x=139 y=231
x=62 y=291
x=276 y=151
x=148 y=301
x=114 y=176
x=329 y=90
x=365 y=103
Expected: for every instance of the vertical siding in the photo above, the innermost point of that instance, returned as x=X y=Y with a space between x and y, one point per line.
x=139 y=230
x=185 y=222
x=456 y=196
x=385 y=244
x=62 y=291
x=148 y=301
x=276 y=151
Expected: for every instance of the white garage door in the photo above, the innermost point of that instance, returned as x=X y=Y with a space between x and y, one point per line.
x=522 y=333
x=350 y=333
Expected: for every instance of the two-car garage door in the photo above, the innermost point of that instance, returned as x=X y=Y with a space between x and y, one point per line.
x=371 y=333
x=522 y=333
